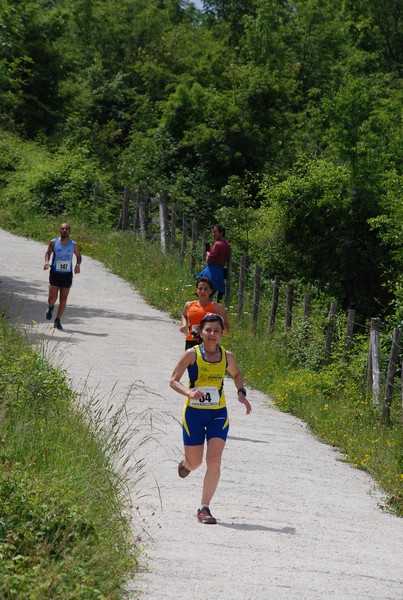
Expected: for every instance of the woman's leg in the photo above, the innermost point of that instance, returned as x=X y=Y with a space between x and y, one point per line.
x=215 y=448
x=193 y=457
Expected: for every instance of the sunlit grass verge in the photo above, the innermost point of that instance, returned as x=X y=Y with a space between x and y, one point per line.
x=64 y=530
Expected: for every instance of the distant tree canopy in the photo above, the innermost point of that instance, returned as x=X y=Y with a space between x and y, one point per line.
x=287 y=114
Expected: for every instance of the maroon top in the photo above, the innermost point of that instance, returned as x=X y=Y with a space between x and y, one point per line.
x=219 y=253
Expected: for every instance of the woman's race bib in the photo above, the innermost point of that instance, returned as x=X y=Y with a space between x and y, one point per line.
x=210 y=398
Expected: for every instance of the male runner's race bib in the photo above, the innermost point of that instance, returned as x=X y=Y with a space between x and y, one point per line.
x=211 y=397
x=63 y=265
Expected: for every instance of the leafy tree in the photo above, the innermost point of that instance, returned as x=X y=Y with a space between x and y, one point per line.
x=32 y=66
x=231 y=13
x=377 y=26
x=325 y=206
x=307 y=40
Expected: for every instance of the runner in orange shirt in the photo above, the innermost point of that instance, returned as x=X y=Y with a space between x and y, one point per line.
x=195 y=310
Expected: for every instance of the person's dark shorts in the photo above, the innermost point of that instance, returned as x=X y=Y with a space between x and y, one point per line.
x=191 y=343
x=61 y=280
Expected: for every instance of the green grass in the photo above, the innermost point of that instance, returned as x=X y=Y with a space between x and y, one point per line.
x=64 y=525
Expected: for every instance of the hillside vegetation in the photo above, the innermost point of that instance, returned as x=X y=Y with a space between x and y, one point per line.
x=281 y=119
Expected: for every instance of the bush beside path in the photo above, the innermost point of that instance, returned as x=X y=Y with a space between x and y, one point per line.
x=294 y=520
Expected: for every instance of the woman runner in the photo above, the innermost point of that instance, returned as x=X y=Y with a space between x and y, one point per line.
x=195 y=310
x=205 y=416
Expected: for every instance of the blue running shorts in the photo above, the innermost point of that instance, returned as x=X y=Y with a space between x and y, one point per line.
x=199 y=424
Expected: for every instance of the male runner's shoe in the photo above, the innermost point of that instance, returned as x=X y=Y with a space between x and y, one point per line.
x=57 y=324
x=182 y=470
x=49 y=312
x=204 y=516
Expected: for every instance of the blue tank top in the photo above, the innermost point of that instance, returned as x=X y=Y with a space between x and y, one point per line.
x=63 y=257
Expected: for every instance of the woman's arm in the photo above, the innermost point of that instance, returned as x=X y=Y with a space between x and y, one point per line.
x=185 y=316
x=211 y=255
x=236 y=374
x=187 y=359
x=220 y=310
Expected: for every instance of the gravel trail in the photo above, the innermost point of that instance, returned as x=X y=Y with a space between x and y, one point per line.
x=294 y=520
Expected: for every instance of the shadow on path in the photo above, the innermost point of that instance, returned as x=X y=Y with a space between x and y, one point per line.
x=250 y=527
x=17 y=297
x=243 y=439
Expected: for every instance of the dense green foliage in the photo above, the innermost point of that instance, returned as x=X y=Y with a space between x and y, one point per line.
x=63 y=531
x=286 y=113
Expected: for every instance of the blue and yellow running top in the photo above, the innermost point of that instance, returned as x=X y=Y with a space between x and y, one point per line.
x=208 y=376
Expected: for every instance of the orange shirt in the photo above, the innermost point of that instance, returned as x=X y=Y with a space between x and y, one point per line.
x=195 y=315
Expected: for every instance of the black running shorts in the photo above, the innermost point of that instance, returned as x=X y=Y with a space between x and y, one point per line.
x=61 y=280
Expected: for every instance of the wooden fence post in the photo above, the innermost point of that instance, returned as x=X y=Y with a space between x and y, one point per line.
x=288 y=307
x=184 y=235
x=125 y=209
x=329 y=330
x=163 y=214
x=256 y=298
x=307 y=309
x=143 y=215
x=241 y=285
x=228 y=282
x=374 y=361
x=193 y=247
x=394 y=353
x=173 y=226
x=349 y=332
x=402 y=392
x=136 y=219
x=204 y=245
x=274 y=303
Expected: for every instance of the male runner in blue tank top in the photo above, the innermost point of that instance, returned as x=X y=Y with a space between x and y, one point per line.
x=61 y=271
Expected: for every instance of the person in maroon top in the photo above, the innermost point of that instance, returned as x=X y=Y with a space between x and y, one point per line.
x=216 y=259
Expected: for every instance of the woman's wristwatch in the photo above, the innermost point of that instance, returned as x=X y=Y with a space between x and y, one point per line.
x=242 y=390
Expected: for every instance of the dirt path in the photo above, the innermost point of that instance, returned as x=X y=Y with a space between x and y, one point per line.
x=294 y=521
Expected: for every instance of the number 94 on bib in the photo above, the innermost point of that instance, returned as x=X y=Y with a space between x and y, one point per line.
x=210 y=397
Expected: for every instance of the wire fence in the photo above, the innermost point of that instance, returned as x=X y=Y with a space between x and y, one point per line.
x=270 y=305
